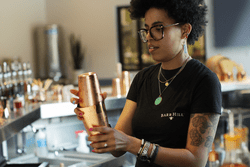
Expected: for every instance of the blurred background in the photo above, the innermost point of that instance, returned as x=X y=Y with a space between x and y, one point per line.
x=95 y=23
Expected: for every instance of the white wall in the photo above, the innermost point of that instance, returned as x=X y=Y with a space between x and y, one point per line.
x=240 y=55
x=17 y=19
x=95 y=21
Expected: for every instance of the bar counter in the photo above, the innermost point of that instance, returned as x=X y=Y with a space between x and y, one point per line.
x=17 y=121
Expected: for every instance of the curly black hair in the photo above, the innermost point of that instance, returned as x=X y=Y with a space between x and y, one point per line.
x=182 y=11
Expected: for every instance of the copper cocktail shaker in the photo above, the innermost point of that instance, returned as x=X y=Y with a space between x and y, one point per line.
x=91 y=100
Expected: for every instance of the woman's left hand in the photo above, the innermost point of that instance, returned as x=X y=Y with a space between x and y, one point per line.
x=108 y=140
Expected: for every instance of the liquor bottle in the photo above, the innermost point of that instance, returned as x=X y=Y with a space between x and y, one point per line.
x=5 y=91
x=27 y=83
x=10 y=87
x=5 y=81
x=14 y=80
x=29 y=72
x=25 y=77
x=20 y=83
x=16 y=102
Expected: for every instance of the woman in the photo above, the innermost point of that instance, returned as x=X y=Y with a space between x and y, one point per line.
x=172 y=108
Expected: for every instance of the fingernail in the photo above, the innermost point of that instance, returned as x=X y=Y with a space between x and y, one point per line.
x=90 y=129
x=74 y=102
x=80 y=113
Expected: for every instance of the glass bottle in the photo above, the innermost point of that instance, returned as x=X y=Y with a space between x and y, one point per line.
x=14 y=80
x=27 y=83
x=221 y=150
x=20 y=83
x=6 y=82
x=243 y=152
x=29 y=72
x=1 y=93
x=213 y=158
x=5 y=91
x=232 y=145
x=10 y=88
x=25 y=77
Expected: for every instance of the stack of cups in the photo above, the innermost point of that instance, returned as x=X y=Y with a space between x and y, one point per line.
x=125 y=82
x=116 y=87
x=120 y=86
x=91 y=100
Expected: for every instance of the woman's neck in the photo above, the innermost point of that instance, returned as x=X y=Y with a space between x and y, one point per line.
x=176 y=62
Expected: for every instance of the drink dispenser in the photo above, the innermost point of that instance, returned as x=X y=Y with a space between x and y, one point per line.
x=49 y=55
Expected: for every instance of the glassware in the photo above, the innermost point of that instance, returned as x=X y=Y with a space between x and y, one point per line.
x=232 y=145
x=243 y=152
x=91 y=100
x=156 y=32
x=125 y=82
x=213 y=158
x=116 y=87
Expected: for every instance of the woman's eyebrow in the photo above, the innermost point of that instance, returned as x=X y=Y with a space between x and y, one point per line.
x=154 y=23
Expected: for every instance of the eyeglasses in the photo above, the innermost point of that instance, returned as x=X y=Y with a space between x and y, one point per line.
x=156 y=32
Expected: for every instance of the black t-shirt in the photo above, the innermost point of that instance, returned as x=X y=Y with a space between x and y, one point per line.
x=196 y=89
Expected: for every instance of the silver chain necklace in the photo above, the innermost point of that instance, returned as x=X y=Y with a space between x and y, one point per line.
x=158 y=100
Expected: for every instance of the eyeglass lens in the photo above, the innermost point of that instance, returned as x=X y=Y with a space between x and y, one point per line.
x=155 y=32
x=143 y=35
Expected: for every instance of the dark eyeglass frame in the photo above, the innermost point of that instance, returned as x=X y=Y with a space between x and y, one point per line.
x=140 y=31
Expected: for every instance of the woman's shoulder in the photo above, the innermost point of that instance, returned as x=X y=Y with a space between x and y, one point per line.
x=200 y=71
x=196 y=67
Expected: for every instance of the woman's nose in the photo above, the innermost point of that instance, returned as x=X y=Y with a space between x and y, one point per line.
x=148 y=37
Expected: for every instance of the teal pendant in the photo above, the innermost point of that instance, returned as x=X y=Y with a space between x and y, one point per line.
x=158 y=100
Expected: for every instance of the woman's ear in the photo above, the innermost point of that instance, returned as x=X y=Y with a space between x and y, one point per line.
x=186 y=30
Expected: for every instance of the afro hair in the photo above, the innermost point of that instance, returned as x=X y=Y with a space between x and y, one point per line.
x=182 y=11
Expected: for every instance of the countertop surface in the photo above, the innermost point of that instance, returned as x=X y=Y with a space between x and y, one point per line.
x=18 y=120
x=235 y=85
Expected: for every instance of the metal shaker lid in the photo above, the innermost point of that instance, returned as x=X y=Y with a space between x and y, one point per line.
x=89 y=89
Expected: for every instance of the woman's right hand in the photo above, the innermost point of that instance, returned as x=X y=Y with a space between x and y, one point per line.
x=74 y=100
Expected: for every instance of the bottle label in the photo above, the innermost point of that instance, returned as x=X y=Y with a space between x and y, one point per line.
x=41 y=143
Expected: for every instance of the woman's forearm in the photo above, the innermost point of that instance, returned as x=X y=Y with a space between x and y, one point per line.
x=179 y=157
x=133 y=146
x=166 y=156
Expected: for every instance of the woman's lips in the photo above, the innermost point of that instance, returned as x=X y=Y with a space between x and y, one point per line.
x=152 y=48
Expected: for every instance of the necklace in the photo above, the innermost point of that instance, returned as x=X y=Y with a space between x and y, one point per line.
x=158 y=100
x=166 y=82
